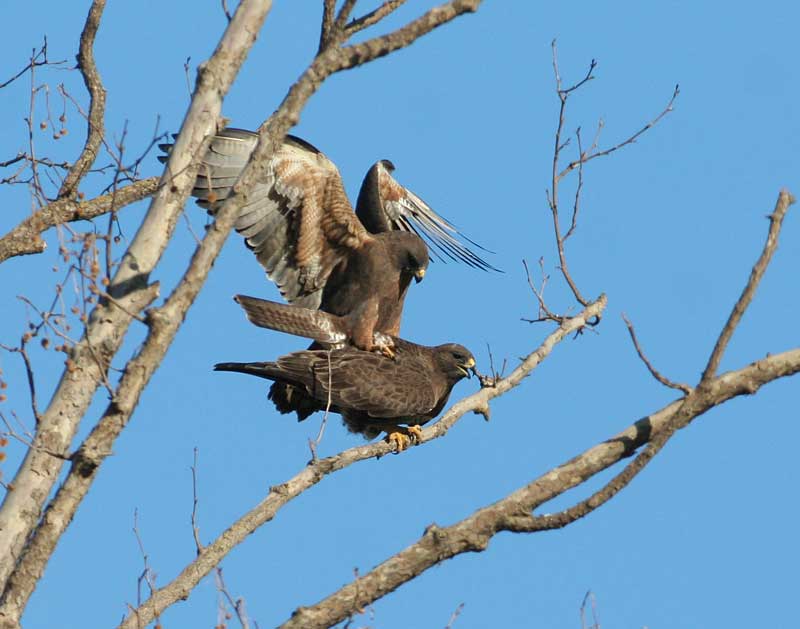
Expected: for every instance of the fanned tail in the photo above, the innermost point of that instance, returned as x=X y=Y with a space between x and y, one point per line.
x=313 y=324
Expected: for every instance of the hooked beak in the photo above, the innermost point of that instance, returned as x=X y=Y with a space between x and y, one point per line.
x=468 y=368
x=418 y=275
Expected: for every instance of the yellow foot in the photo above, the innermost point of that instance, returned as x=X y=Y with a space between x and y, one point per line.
x=400 y=440
x=384 y=344
x=415 y=432
x=401 y=437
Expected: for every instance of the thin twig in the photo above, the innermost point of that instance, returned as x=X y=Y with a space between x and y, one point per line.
x=454 y=616
x=653 y=371
x=195 y=528
x=315 y=443
x=578 y=189
x=23 y=352
x=372 y=17
x=27 y=439
x=563 y=95
x=584 y=156
x=630 y=140
x=589 y=598
x=226 y=10
x=544 y=312
x=147 y=575
x=237 y=605
x=38 y=59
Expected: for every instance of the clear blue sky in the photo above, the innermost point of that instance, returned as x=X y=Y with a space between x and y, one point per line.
x=704 y=537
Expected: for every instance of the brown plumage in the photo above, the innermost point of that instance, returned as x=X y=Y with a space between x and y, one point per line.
x=372 y=392
x=327 y=330
x=300 y=225
x=302 y=229
x=334 y=333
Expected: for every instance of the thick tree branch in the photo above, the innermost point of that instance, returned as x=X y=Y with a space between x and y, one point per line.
x=21 y=508
x=180 y=587
x=132 y=274
x=25 y=238
x=513 y=513
x=164 y=323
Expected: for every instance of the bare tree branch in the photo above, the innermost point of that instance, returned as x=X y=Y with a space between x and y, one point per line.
x=629 y=140
x=583 y=157
x=25 y=238
x=785 y=199
x=328 y=17
x=39 y=59
x=132 y=276
x=97 y=101
x=19 y=514
x=373 y=17
x=653 y=371
x=315 y=471
x=513 y=513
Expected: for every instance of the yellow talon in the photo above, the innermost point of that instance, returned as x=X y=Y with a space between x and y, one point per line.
x=415 y=432
x=398 y=439
x=401 y=437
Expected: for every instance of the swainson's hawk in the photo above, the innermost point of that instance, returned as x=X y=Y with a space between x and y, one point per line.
x=371 y=391
x=302 y=229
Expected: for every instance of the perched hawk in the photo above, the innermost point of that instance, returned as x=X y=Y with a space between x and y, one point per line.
x=302 y=229
x=372 y=392
x=328 y=332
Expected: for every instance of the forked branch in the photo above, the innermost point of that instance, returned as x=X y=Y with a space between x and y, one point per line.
x=514 y=513
x=584 y=156
x=785 y=199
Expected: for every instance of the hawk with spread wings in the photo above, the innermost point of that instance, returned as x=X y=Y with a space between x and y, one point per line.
x=372 y=392
x=322 y=255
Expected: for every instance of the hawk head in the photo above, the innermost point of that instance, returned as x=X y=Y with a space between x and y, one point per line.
x=455 y=360
x=409 y=253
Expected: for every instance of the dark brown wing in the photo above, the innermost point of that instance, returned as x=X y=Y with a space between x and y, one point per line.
x=353 y=380
x=297 y=219
x=370 y=383
x=383 y=204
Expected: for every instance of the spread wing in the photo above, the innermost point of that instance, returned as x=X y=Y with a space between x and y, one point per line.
x=383 y=204
x=296 y=219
